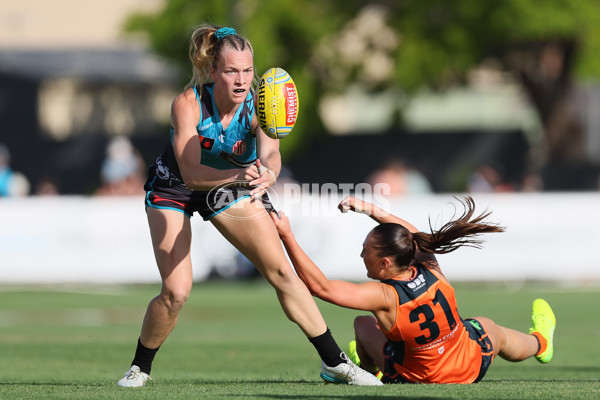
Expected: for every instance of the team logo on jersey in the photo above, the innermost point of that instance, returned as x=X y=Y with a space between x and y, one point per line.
x=441 y=350
x=239 y=147
x=206 y=143
x=417 y=283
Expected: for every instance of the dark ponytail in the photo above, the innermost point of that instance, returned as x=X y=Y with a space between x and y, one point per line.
x=394 y=240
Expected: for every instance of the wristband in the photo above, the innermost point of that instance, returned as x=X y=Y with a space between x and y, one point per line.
x=273 y=175
x=262 y=169
x=366 y=210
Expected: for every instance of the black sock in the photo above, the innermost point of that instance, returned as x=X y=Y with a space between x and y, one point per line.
x=539 y=344
x=327 y=348
x=144 y=357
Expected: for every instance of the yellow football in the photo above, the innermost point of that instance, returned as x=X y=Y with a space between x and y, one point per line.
x=277 y=107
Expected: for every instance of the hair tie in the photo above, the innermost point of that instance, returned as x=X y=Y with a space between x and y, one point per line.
x=223 y=32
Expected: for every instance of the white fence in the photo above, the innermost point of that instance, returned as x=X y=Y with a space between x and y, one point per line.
x=106 y=240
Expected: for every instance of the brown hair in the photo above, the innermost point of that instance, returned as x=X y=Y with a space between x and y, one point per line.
x=394 y=240
x=205 y=50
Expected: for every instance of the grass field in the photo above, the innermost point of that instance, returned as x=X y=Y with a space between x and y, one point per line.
x=233 y=341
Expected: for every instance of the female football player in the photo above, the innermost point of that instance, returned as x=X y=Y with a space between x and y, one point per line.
x=417 y=334
x=212 y=166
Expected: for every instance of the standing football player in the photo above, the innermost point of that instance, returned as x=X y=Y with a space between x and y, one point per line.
x=210 y=165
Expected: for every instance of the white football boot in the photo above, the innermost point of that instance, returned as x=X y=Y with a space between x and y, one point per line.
x=348 y=373
x=134 y=378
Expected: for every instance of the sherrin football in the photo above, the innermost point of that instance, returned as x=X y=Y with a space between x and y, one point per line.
x=277 y=103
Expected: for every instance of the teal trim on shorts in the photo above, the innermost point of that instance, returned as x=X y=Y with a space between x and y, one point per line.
x=226 y=207
x=150 y=205
x=170 y=209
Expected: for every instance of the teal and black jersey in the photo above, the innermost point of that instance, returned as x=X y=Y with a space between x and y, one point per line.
x=234 y=147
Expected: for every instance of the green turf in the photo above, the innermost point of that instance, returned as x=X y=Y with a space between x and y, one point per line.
x=233 y=341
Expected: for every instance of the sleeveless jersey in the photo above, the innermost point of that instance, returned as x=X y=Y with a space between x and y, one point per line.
x=234 y=147
x=6 y=177
x=429 y=340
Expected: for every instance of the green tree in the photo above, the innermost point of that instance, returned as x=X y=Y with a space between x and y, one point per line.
x=283 y=33
x=545 y=44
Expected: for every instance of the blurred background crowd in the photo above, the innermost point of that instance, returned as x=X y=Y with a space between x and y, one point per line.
x=429 y=96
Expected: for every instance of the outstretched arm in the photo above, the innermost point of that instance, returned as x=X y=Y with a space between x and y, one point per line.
x=367 y=296
x=381 y=216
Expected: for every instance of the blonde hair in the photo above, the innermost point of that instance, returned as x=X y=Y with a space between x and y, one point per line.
x=205 y=51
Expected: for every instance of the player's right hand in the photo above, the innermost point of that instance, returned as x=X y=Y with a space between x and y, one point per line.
x=350 y=203
x=249 y=174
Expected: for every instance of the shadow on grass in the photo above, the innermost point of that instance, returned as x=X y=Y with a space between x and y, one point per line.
x=358 y=396
x=220 y=382
x=571 y=373
x=526 y=381
x=57 y=384
x=172 y=382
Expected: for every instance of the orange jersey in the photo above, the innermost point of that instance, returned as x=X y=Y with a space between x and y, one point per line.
x=429 y=342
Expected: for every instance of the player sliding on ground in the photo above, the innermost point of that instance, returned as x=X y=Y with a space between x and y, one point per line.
x=417 y=334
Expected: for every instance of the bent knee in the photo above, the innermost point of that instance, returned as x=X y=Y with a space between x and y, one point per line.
x=363 y=322
x=175 y=298
x=279 y=276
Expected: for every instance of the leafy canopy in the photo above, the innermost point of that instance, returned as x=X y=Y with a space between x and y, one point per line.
x=437 y=41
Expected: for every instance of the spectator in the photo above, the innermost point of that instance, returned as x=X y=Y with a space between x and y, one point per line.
x=12 y=183
x=532 y=182
x=488 y=179
x=400 y=178
x=122 y=171
x=47 y=186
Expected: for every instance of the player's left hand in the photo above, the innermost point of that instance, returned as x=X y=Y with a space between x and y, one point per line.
x=263 y=182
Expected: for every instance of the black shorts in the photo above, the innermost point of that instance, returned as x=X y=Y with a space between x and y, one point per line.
x=206 y=203
x=391 y=354
x=478 y=334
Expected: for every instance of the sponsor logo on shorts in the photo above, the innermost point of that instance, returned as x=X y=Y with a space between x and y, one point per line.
x=163 y=172
x=475 y=324
x=158 y=199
